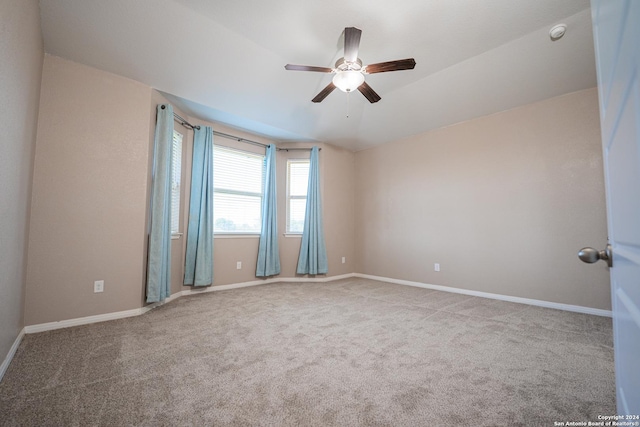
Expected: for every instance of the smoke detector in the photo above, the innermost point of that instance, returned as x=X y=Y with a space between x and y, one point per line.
x=557 y=32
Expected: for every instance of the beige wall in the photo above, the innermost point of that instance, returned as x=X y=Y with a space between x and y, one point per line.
x=502 y=202
x=338 y=176
x=21 y=57
x=89 y=194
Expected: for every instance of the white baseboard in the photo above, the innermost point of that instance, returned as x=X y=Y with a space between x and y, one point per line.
x=12 y=352
x=167 y=300
x=317 y=279
x=205 y=289
x=529 y=301
x=50 y=326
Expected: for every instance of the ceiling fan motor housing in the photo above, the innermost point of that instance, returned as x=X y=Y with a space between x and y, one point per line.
x=342 y=65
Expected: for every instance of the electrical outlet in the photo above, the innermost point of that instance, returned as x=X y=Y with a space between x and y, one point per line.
x=98 y=286
x=436 y=266
x=344 y=259
x=239 y=265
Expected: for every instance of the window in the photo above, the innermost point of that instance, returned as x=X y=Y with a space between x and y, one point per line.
x=297 y=182
x=238 y=178
x=176 y=175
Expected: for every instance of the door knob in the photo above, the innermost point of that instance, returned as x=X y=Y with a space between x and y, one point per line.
x=590 y=255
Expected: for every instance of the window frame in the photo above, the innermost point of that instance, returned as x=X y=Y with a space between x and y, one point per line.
x=240 y=233
x=289 y=197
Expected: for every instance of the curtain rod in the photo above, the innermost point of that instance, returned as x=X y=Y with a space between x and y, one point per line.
x=248 y=141
x=183 y=122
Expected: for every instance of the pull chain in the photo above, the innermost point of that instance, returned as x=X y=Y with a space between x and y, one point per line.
x=348 y=96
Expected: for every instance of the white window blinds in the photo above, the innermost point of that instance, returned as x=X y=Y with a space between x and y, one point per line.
x=238 y=178
x=176 y=178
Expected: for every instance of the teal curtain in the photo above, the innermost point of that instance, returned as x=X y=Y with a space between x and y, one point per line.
x=268 y=252
x=198 y=267
x=159 y=253
x=313 y=254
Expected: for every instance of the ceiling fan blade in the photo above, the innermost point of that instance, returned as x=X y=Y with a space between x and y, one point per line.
x=351 y=43
x=369 y=93
x=307 y=68
x=381 y=67
x=324 y=93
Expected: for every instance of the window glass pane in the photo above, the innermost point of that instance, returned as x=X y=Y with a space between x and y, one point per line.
x=176 y=175
x=297 y=208
x=233 y=212
x=297 y=182
x=238 y=182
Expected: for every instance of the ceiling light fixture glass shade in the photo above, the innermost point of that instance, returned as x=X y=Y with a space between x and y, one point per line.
x=348 y=80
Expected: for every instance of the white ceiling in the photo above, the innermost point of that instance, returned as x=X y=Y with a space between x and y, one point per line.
x=224 y=61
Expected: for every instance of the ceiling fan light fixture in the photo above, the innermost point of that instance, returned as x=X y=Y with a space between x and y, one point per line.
x=348 y=80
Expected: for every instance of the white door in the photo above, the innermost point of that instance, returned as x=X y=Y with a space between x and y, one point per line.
x=616 y=28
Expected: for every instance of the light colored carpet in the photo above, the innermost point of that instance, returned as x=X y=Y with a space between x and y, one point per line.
x=345 y=353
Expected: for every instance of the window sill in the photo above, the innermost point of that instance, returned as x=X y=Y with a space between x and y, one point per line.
x=236 y=236
x=292 y=234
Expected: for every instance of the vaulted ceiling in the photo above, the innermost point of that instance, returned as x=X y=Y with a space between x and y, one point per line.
x=224 y=61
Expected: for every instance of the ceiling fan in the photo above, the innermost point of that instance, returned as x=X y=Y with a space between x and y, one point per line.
x=349 y=72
